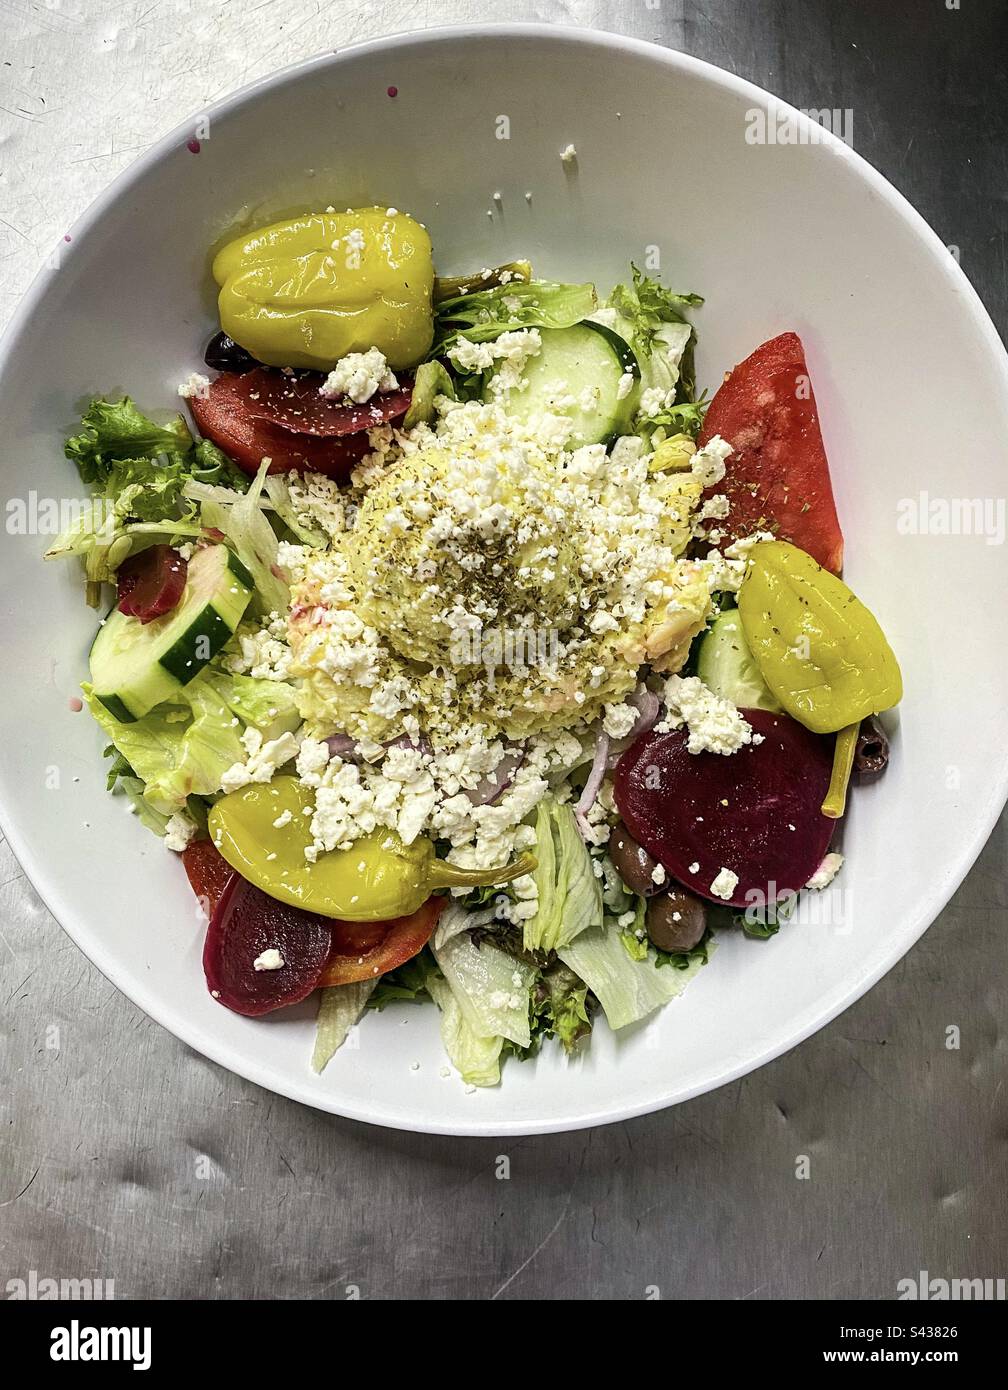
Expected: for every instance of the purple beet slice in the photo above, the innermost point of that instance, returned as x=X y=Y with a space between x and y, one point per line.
x=755 y=812
x=247 y=922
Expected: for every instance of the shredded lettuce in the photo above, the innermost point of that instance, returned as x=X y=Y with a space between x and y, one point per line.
x=570 y=896
x=627 y=989
x=474 y=1057
x=112 y=431
x=277 y=489
x=140 y=465
x=339 y=1009
x=685 y=418
x=492 y=988
x=156 y=821
x=636 y=946
x=567 y=1006
x=559 y=1010
x=430 y=382
x=405 y=984
x=486 y=314
x=176 y=750
x=269 y=706
x=651 y=319
x=139 y=471
x=182 y=749
x=457 y=918
x=254 y=541
x=645 y=305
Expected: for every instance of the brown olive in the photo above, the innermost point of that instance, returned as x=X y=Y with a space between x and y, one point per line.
x=633 y=863
x=676 y=921
x=871 y=755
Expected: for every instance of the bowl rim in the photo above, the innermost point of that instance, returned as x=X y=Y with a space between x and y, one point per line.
x=137 y=990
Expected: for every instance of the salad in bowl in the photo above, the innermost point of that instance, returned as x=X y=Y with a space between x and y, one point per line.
x=461 y=650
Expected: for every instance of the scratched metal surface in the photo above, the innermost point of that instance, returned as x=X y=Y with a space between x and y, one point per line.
x=125 y=1156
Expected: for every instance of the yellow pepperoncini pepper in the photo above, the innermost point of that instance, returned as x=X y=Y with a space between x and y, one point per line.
x=819 y=649
x=309 y=290
x=378 y=878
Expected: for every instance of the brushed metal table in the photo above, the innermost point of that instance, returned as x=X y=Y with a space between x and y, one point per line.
x=125 y=1156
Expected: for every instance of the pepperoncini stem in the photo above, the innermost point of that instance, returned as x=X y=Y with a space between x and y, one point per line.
x=444 y=875
x=450 y=287
x=843 y=762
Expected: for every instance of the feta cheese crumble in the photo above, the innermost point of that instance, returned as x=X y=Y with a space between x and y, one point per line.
x=179 y=832
x=195 y=385
x=509 y=354
x=714 y=724
x=358 y=376
x=826 y=872
x=264 y=759
x=724 y=884
x=271 y=959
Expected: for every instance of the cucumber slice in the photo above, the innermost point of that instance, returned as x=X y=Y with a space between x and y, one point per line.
x=135 y=665
x=580 y=374
x=727 y=666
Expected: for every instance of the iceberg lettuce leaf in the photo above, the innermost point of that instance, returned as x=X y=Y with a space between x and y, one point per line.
x=177 y=750
x=475 y=1058
x=493 y=988
x=339 y=1009
x=245 y=525
x=486 y=314
x=570 y=895
x=627 y=989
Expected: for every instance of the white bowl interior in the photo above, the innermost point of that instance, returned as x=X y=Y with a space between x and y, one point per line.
x=911 y=384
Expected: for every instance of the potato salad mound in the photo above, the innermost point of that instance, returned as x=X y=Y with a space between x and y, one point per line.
x=484 y=573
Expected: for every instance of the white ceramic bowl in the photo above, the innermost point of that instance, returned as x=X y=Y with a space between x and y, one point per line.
x=912 y=383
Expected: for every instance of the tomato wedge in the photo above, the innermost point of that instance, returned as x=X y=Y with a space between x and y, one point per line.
x=778 y=477
x=365 y=950
x=208 y=872
x=223 y=415
x=294 y=403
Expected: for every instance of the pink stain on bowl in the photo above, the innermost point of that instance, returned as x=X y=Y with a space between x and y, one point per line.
x=66 y=236
x=193 y=145
x=75 y=703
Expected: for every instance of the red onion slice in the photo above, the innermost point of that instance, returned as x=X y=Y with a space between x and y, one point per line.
x=591 y=787
x=649 y=708
x=348 y=748
x=495 y=784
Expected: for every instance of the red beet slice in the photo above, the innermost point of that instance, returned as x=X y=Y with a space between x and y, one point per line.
x=293 y=403
x=771 y=832
x=151 y=582
x=247 y=922
x=222 y=414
